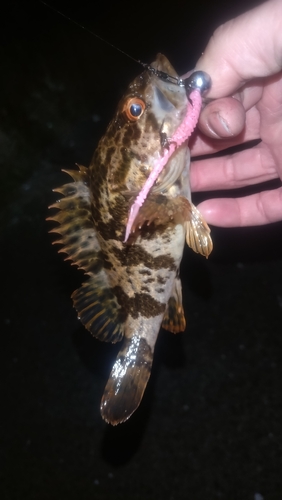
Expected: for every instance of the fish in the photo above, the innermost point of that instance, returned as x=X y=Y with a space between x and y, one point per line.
x=133 y=288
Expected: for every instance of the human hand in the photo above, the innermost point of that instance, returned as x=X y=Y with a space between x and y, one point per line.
x=244 y=60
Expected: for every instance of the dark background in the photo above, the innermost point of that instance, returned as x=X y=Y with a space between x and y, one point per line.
x=209 y=426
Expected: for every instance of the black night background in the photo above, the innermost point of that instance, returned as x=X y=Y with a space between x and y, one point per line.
x=209 y=426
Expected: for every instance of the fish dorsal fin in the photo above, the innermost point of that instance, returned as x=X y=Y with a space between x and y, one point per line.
x=96 y=304
x=198 y=233
x=174 y=318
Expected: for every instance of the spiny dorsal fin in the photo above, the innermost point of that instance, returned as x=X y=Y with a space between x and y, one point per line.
x=76 y=227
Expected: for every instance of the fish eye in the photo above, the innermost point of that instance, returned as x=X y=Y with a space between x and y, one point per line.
x=134 y=108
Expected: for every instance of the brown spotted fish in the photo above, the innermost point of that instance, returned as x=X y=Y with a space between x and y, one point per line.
x=133 y=288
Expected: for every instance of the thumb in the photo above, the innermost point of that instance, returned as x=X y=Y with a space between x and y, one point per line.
x=244 y=48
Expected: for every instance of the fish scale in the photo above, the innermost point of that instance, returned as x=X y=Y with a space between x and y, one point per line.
x=133 y=288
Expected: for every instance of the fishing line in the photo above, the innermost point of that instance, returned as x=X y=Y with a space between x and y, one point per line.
x=160 y=74
x=88 y=30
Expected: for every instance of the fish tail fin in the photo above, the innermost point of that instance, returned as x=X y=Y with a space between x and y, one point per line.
x=128 y=380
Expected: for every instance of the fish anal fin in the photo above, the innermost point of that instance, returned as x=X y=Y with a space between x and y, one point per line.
x=174 y=317
x=98 y=309
x=198 y=233
x=127 y=382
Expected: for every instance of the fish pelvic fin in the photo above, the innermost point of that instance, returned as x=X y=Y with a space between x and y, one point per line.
x=174 y=318
x=128 y=380
x=95 y=302
x=198 y=233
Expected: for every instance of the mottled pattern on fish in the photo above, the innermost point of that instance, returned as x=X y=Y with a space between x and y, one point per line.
x=134 y=287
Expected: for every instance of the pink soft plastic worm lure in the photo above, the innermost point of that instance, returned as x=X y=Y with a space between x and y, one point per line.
x=196 y=84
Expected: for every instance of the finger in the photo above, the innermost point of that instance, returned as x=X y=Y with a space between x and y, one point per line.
x=254 y=210
x=247 y=167
x=270 y=109
x=244 y=48
x=200 y=144
x=225 y=117
x=222 y=118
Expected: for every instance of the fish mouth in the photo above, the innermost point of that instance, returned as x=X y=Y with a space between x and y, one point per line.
x=168 y=106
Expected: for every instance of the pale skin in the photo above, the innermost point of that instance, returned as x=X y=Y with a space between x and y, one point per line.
x=244 y=60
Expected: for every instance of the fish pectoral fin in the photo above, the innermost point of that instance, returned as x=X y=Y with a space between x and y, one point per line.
x=174 y=318
x=161 y=210
x=198 y=233
x=98 y=310
x=127 y=382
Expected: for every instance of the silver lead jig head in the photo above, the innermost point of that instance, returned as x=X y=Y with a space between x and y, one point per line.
x=199 y=80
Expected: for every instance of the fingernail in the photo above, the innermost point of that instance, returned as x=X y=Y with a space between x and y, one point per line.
x=218 y=125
